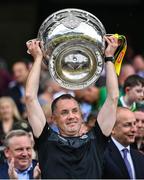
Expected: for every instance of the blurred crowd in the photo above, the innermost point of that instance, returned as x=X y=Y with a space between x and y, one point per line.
x=13 y=114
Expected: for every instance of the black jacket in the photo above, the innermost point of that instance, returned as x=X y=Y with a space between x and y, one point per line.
x=114 y=166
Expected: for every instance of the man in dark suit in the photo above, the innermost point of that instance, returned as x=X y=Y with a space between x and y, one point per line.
x=18 y=151
x=17 y=88
x=121 y=161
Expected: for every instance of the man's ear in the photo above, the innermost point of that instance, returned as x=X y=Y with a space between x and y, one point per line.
x=53 y=117
x=6 y=152
x=127 y=89
x=113 y=132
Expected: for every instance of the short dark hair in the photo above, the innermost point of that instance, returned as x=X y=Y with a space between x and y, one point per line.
x=133 y=80
x=62 y=97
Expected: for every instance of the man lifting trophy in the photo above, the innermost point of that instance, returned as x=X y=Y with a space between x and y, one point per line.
x=73 y=47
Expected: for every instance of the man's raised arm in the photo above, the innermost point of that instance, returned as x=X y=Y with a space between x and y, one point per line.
x=107 y=115
x=36 y=116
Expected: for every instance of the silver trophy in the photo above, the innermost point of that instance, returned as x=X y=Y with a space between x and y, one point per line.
x=73 y=47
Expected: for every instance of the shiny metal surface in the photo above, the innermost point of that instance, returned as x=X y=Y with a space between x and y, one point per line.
x=73 y=47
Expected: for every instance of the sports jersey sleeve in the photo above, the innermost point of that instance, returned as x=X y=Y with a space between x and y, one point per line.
x=44 y=135
x=101 y=139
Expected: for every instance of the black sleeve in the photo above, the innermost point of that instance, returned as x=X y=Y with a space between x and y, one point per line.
x=44 y=135
x=101 y=139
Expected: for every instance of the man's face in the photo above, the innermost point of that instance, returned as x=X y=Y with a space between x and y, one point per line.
x=68 y=117
x=135 y=93
x=139 y=123
x=20 y=150
x=20 y=72
x=125 y=128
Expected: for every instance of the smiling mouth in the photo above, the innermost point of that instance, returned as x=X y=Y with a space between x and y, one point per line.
x=131 y=136
x=25 y=160
x=72 y=123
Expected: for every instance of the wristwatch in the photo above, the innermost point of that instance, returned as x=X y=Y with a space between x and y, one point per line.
x=111 y=58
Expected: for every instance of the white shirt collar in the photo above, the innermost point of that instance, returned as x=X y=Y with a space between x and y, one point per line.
x=26 y=170
x=132 y=107
x=119 y=146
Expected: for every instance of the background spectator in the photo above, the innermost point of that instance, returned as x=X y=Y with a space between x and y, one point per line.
x=120 y=160
x=133 y=92
x=138 y=64
x=18 y=151
x=139 y=141
x=17 y=88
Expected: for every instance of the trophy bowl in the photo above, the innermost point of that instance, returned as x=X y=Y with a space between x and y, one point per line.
x=73 y=47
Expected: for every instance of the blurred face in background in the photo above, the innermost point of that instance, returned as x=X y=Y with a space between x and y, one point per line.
x=20 y=71
x=139 y=115
x=79 y=94
x=126 y=71
x=91 y=94
x=6 y=110
x=138 y=63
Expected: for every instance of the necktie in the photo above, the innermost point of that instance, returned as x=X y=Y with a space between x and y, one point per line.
x=127 y=163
